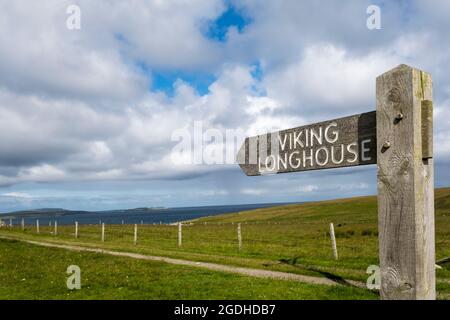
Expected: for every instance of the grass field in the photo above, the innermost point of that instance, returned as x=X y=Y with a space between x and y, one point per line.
x=292 y=238
x=33 y=272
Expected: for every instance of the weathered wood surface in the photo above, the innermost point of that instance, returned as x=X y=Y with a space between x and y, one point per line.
x=343 y=142
x=405 y=187
x=427 y=129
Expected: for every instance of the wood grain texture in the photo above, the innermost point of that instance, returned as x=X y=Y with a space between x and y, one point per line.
x=405 y=187
x=357 y=132
x=427 y=129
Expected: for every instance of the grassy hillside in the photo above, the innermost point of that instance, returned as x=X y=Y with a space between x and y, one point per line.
x=293 y=238
x=352 y=209
x=31 y=272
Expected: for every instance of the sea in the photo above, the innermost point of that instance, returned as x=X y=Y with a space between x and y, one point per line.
x=132 y=216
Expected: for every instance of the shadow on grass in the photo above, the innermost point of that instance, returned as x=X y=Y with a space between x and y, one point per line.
x=444 y=263
x=333 y=277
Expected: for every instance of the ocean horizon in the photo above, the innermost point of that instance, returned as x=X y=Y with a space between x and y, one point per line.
x=128 y=216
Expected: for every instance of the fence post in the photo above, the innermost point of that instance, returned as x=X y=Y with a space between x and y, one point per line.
x=333 y=241
x=76 y=229
x=405 y=184
x=135 y=234
x=10 y=223
x=239 y=236
x=22 y=223
x=179 y=234
x=56 y=228
x=103 y=232
x=37 y=226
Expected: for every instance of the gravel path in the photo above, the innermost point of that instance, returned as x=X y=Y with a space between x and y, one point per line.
x=210 y=266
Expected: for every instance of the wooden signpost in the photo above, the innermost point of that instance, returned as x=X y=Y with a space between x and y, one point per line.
x=344 y=142
x=398 y=137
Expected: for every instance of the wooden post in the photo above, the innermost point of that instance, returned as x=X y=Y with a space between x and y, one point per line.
x=179 y=234
x=103 y=232
x=135 y=234
x=333 y=241
x=123 y=222
x=37 y=226
x=56 y=228
x=405 y=184
x=239 y=236
x=76 y=229
x=10 y=223
x=22 y=223
x=142 y=222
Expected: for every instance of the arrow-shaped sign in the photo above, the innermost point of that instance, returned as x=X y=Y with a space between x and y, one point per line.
x=344 y=142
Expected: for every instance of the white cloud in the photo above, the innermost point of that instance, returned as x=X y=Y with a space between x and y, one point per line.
x=212 y=193
x=354 y=186
x=16 y=195
x=254 y=191
x=42 y=173
x=327 y=78
x=308 y=188
x=76 y=105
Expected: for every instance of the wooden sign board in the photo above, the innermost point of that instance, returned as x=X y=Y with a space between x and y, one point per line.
x=398 y=137
x=344 y=142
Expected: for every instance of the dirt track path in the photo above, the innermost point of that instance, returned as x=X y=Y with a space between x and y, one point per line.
x=210 y=266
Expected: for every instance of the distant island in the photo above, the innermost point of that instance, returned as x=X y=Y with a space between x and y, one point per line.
x=142 y=215
x=58 y=212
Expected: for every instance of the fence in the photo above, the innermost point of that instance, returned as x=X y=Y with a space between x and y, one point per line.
x=306 y=241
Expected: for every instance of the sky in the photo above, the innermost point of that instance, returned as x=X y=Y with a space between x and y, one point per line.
x=89 y=111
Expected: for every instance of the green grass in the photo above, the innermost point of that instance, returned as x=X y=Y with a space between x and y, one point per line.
x=32 y=272
x=292 y=238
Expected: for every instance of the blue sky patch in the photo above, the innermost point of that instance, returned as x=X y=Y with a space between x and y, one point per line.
x=232 y=17
x=164 y=81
